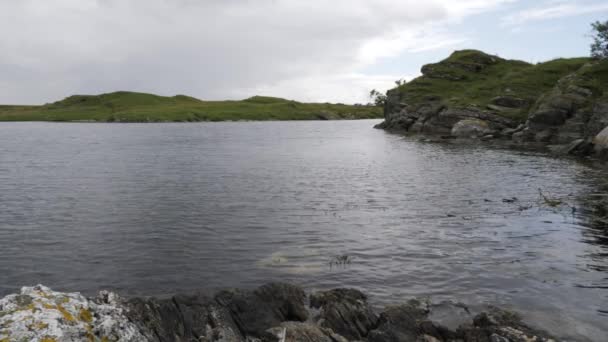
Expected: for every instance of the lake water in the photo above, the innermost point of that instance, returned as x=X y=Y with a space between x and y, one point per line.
x=153 y=209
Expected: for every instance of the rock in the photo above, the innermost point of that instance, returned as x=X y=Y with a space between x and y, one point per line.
x=303 y=332
x=544 y=136
x=471 y=128
x=509 y=101
x=344 y=311
x=500 y=325
x=184 y=318
x=508 y=132
x=399 y=323
x=600 y=142
x=41 y=314
x=579 y=147
x=254 y=312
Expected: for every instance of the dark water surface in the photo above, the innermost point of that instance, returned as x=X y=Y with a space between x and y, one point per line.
x=152 y=209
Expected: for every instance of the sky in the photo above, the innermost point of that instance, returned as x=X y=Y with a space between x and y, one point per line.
x=307 y=50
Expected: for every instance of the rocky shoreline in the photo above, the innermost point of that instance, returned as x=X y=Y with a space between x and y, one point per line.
x=273 y=312
x=569 y=119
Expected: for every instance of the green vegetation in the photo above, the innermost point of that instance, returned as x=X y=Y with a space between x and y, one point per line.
x=599 y=48
x=139 y=107
x=473 y=78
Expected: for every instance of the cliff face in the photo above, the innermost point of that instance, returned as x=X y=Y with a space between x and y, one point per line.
x=473 y=94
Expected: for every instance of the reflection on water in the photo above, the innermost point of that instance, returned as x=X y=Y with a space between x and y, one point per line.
x=159 y=208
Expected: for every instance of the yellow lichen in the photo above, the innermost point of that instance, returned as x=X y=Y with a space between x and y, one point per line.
x=37 y=326
x=66 y=314
x=85 y=315
x=49 y=306
x=48 y=339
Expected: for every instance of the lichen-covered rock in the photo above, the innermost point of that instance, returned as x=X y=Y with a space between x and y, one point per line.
x=41 y=314
x=471 y=128
x=345 y=311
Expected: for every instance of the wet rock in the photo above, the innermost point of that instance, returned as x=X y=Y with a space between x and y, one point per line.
x=254 y=312
x=400 y=323
x=273 y=312
x=471 y=128
x=501 y=325
x=41 y=314
x=183 y=318
x=345 y=311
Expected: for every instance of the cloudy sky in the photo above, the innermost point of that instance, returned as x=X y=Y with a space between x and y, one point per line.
x=309 y=50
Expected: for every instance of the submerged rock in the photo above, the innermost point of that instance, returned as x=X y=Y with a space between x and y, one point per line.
x=274 y=312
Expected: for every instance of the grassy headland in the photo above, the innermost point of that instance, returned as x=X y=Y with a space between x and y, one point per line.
x=474 y=78
x=140 y=107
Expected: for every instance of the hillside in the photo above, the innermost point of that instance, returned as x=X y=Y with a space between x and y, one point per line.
x=139 y=107
x=471 y=78
x=472 y=94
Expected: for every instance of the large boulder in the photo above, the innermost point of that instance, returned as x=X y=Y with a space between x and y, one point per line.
x=600 y=143
x=345 y=311
x=254 y=312
x=401 y=323
x=183 y=318
x=471 y=128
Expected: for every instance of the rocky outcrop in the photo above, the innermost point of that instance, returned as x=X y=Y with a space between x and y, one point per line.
x=274 y=312
x=434 y=117
x=345 y=311
x=41 y=314
x=573 y=110
x=454 y=98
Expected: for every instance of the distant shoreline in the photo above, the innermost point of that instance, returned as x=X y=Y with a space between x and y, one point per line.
x=140 y=107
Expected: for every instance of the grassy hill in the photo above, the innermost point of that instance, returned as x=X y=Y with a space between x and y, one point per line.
x=474 y=78
x=139 y=107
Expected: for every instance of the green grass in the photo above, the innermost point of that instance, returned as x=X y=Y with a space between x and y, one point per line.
x=139 y=107
x=475 y=78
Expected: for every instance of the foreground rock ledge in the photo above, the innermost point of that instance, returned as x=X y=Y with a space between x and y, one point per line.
x=273 y=312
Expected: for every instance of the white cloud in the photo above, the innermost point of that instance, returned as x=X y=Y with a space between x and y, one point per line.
x=215 y=49
x=554 y=10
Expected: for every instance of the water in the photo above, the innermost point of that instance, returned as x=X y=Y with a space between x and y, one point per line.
x=153 y=209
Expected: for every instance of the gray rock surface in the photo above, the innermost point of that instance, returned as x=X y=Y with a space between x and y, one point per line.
x=274 y=312
x=471 y=128
x=41 y=314
x=600 y=142
x=345 y=311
